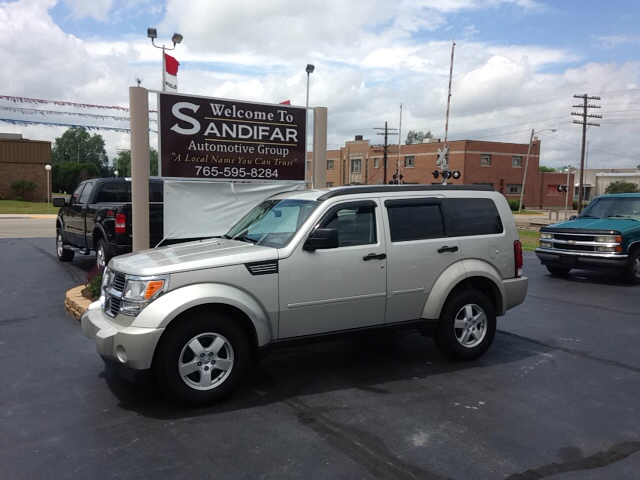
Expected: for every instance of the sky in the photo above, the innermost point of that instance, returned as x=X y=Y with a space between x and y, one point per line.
x=517 y=66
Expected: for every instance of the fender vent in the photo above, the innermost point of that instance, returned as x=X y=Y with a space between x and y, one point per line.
x=262 y=268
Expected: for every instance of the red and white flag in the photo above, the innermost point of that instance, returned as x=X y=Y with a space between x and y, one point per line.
x=171 y=73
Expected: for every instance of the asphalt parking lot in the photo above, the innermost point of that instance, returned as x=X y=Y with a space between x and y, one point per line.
x=556 y=395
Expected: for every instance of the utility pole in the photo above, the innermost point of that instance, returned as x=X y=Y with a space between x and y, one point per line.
x=584 y=122
x=386 y=133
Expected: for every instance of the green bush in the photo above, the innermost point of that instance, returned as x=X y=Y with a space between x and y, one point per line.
x=514 y=205
x=22 y=187
x=94 y=280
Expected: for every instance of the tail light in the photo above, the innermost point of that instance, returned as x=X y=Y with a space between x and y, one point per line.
x=121 y=223
x=517 y=253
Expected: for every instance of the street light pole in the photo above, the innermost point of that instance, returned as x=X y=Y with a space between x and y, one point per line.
x=48 y=169
x=526 y=165
x=310 y=68
x=566 y=195
x=152 y=33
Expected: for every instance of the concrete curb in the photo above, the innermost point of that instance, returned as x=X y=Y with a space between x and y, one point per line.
x=75 y=303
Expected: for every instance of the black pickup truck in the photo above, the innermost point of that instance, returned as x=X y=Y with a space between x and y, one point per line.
x=97 y=217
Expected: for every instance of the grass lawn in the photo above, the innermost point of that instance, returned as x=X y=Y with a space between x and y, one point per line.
x=15 y=206
x=530 y=239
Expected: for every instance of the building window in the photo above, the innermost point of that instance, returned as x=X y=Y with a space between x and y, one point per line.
x=514 y=188
x=329 y=164
x=516 y=161
x=356 y=165
x=485 y=160
x=408 y=161
x=329 y=184
x=376 y=163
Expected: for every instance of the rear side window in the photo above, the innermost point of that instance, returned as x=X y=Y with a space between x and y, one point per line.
x=115 y=192
x=414 y=220
x=473 y=216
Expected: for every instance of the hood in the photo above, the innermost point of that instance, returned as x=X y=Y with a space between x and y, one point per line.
x=194 y=255
x=602 y=224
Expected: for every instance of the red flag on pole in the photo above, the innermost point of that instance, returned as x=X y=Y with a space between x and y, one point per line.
x=171 y=73
x=286 y=102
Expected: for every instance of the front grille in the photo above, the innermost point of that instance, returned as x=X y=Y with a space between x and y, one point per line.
x=118 y=282
x=113 y=305
x=575 y=238
x=578 y=243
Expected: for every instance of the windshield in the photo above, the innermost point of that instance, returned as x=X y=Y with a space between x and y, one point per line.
x=273 y=223
x=613 y=207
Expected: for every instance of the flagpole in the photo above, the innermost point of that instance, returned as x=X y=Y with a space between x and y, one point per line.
x=164 y=70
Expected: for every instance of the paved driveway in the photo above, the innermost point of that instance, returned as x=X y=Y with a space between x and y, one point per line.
x=557 y=394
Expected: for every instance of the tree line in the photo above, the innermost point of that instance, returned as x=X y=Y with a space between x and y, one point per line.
x=77 y=156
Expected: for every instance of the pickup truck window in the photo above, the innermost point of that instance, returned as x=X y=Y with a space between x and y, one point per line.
x=75 y=196
x=114 y=192
x=84 y=196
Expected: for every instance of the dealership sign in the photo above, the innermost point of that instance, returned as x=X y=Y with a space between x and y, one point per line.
x=211 y=138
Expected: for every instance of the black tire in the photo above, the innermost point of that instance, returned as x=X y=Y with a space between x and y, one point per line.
x=102 y=254
x=559 y=271
x=64 y=255
x=467 y=326
x=632 y=271
x=219 y=341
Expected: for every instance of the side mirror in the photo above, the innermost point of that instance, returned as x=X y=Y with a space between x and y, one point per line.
x=573 y=217
x=59 y=202
x=322 y=239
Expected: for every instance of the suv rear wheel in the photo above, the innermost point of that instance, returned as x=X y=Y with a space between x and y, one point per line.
x=202 y=359
x=467 y=326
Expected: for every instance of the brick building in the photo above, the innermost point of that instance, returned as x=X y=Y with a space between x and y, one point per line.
x=22 y=159
x=498 y=165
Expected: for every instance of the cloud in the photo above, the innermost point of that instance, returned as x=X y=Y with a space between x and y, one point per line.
x=611 y=41
x=97 y=9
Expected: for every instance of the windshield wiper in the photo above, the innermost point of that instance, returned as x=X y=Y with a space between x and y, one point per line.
x=588 y=216
x=625 y=217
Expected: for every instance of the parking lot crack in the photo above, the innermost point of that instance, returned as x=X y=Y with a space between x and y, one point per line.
x=363 y=447
x=597 y=460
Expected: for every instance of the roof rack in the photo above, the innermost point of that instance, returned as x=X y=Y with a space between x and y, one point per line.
x=350 y=190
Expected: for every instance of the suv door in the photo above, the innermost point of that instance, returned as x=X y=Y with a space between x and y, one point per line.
x=339 y=288
x=419 y=251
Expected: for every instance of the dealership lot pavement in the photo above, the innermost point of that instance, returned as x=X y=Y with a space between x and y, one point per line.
x=556 y=395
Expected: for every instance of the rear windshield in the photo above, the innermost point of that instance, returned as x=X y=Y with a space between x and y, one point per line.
x=120 y=192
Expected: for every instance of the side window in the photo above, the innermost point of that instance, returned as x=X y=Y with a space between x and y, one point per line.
x=355 y=223
x=84 y=196
x=473 y=216
x=113 y=192
x=415 y=219
x=75 y=196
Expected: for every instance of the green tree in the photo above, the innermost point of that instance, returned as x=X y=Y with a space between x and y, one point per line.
x=416 y=136
x=78 y=146
x=621 y=187
x=542 y=168
x=67 y=175
x=122 y=163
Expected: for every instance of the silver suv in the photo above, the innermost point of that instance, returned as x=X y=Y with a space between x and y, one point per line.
x=445 y=260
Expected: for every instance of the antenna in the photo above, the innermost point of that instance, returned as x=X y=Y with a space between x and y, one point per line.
x=139 y=79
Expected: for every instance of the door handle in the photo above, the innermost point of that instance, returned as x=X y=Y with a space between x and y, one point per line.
x=447 y=249
x=374 y=256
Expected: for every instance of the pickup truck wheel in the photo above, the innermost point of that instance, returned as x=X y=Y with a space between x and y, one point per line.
x=102 y=254
x=467 y=326
x=64 y=255
x=559 y=271
x=633 y=267
x=202 y=360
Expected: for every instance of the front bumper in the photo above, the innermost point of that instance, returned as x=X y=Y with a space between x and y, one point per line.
x=590 y=261
x=128 y=350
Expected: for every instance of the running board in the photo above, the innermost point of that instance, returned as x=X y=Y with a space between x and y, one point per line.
x=81 y=251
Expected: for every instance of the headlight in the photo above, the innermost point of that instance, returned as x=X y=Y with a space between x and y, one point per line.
x=142 y=289
x=608 y=239
x=139 y=292
x=546 y=236
x=546 y=244
x=605 y=249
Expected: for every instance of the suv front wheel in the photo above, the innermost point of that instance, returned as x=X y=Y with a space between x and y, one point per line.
x=467 y=326
x=202 y=359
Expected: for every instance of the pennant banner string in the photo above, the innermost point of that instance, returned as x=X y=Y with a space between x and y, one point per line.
x=35 y=111
x=65 y=104
x=52 y=124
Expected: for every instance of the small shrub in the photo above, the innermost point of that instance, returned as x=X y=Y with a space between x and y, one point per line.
x=514 y=205
x=94 y=280
x=21 y=187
